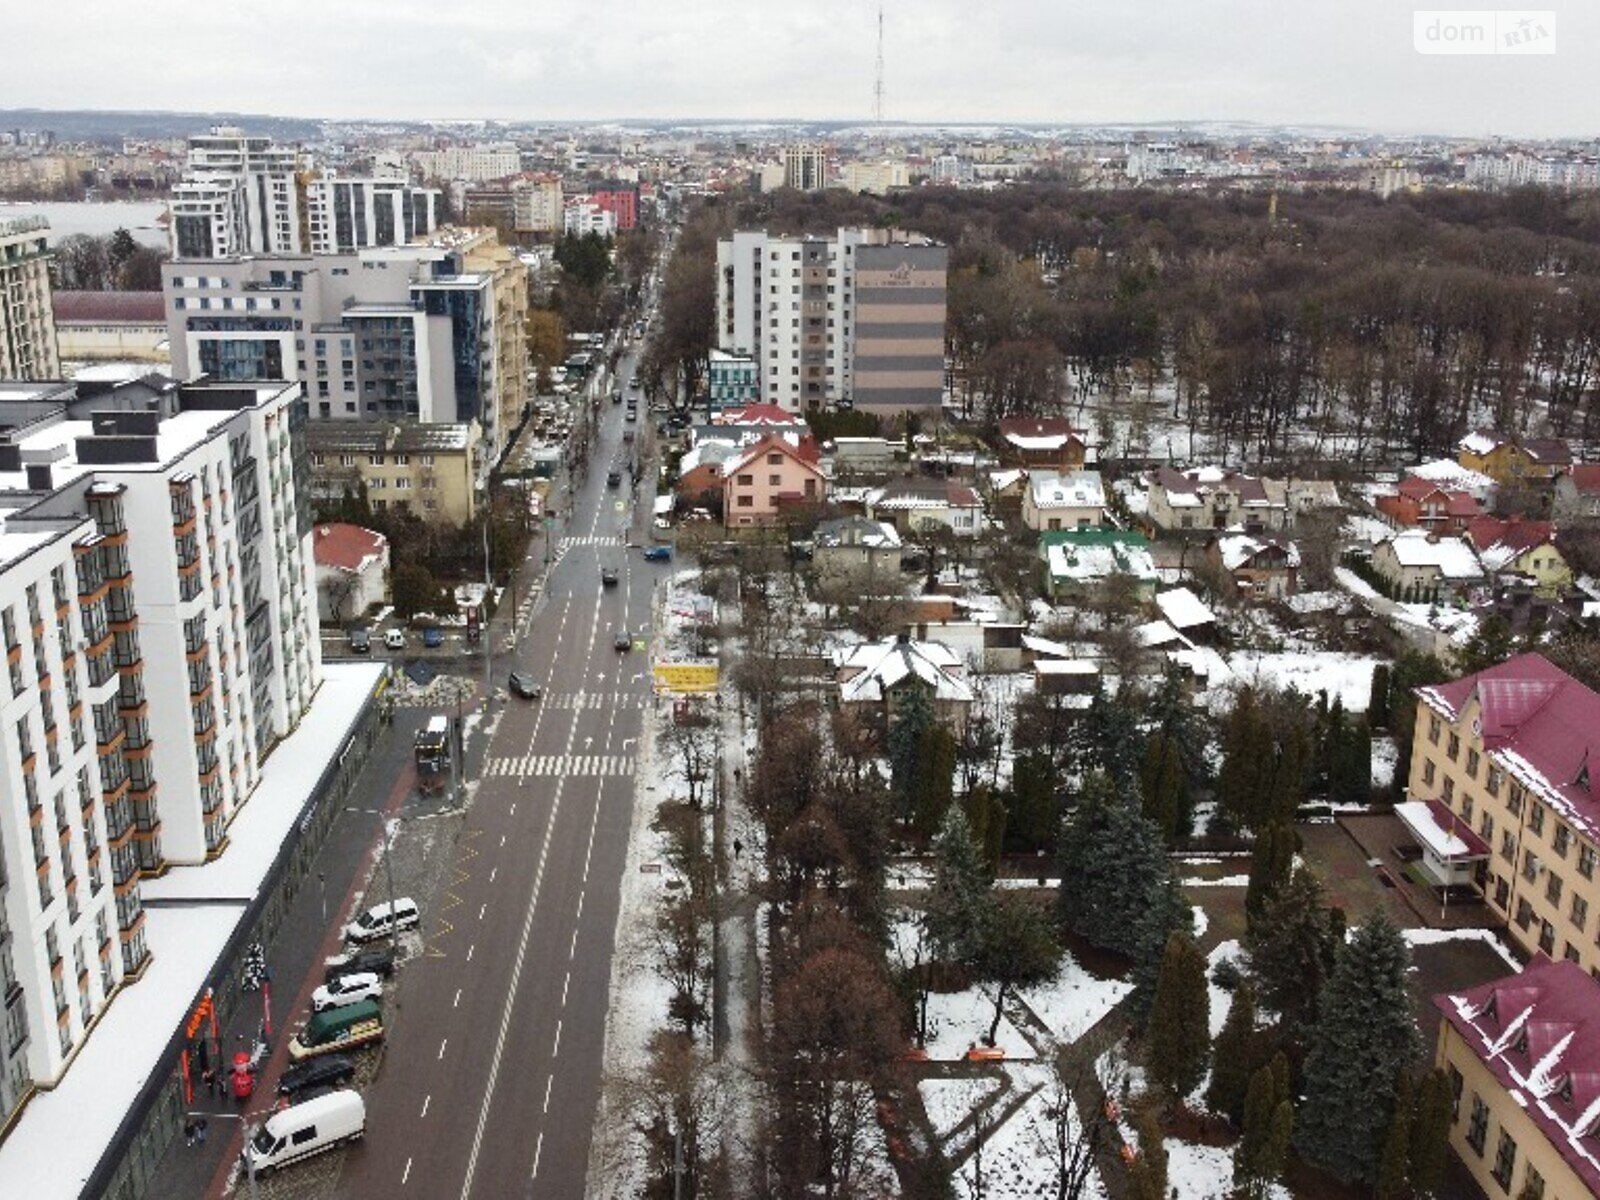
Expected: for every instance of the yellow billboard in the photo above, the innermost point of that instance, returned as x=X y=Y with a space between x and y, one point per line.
x=686 y=679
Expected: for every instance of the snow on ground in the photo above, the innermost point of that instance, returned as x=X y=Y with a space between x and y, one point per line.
x=1201 y=922
x=1205 y=1172
x=1432 y=937
x=1225 y=881
x=1016 y=1159
x=1221 y=998
x=951 y=1101
x=1354 y=584
x=958 y=1021
x=1075 y=1001
x=1370 y=530
x=1385 y=757
x=1347 y=677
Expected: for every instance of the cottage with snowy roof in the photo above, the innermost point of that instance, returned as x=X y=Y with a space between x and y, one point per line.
x=1577 y=494
x=1265 y=568
x=1521 y=549
x=1419 y=503
x=1522 y=1054
x=1418 y=565
x=1046 y=442
x=1513 y=752
x=1514 y=460
x=1212 y=498
x=874 y=679
x=1075 y=500
x=922 y=505
x=1080 y=561
x=854 y=549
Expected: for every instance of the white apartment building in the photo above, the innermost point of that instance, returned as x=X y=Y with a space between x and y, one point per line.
x=159 y=626
x=346 y=215
x=875 y=178
x=584 y=216
x=805 y=167
x=538 y=205
x=27 y=320
x=474 y=164
x=240 y=195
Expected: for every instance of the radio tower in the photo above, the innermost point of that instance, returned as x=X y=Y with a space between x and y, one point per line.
x=877 y=87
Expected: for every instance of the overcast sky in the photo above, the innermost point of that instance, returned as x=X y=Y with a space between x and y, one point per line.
x=1341 y=62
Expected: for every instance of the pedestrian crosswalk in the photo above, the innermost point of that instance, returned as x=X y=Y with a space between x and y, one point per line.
x=568 y=543
x=561 y=764
x=585 y=700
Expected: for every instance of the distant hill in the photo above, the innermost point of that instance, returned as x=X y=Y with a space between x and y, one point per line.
x=95 y=125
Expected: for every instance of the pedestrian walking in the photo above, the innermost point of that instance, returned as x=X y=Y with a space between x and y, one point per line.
x=200 y=1131
x=189 y=1132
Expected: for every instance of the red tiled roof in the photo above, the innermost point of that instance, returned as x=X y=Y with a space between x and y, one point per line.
x=143 y=308
x=1538 y=723
x=345 y=546
x=760 y=414
x=1552 y=452
x=1516 y=535
x=1539 y=1034
x=770 y=442
x=1586 y=477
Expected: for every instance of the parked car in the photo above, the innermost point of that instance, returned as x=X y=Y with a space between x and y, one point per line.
x=302 y=1130
x=376 y=960
x=394 y=639
x=378 y=922
x=623 y=641
x=616 y=397
x=608 y=577
x=613 y=479
x=360 y=641
x=337 y=1030
x=658 y=554
x=525 y=685
x=329 y=1071
x=631 y=414
x=433 y=637
x=346 y=989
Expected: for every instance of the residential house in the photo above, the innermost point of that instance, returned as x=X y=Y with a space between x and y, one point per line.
x=1302 y=497
x=1265 y=568
x=1514 y=461
x=857 y=550
x=1188 y=614
x=920 y=505
x=1078 y=561
x=1448 y=473
x=1005 y=489
x=1577 y=493
x=1423 y=504
x=874 y=679
x=352 y=570
x=856 y=459
x=700 y=472
x=1421 y=566
x=428 y=470
x=764 y=479
x=1211 y=498
x=1048 y=442
x=1509 y=750
x=1522 y=1054
x=1521 y=547
x=1076 y=500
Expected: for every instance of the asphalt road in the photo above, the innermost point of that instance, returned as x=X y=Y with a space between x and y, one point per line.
x=492 y=1071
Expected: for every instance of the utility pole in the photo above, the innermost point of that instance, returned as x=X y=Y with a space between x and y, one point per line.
x=877 y=87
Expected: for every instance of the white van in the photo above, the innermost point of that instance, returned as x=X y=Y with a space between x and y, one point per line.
x=376 y=922
x=302 y=1130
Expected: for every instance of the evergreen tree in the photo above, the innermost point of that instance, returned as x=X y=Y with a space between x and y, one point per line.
x=936 y=774
x=1263 y=1148
x=986 y=814
x=1035 y=812
x=1110 y=859
x=1231 y=1057
x=1394 y=1168
x=1355 y=770
x=1178 y=1037
x=960 y=888
x=1108 y=740
x=908 y=732
x=1378 y=698
x=1291 y=950
x=1147 y=1174
x=1240 y=783
x=1271 y=864
x=1163 y=787
x=1430 y=1133
x=1166 y=911
x=1364 y=1034
x=1016 y=947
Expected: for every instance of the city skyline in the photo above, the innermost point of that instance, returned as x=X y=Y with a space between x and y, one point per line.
x=1215 y=61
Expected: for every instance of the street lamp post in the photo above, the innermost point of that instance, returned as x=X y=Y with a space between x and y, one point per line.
x=249 y=1133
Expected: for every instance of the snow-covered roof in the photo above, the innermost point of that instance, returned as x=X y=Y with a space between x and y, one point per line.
x=1240 y=549
x=857 y=531
x=1451 y=557
x=868 y=671
x=1075 y=489
x=1039 y=645
x=706 y=450
x=1440 y=831
x=1480 y=441
x=1447 y=472
x=1159 y=633
x=1184 y=609
x=1099 y=560
x=1066 y=666
x=999 y=481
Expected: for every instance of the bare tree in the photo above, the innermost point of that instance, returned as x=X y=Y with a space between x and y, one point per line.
x=690 y=739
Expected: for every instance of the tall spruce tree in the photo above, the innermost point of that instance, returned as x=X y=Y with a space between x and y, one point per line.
x=1232 y=1057
x=1291 y=950
x=1394 y=1167
x=1147 y=1174
x=1271 y=864
x=1178 y=1036
x=908 y=733
x=1263 y=1148
x=1163 y=786
x=1378 y=697
x=1430 y=1133
x=1166 y=911
x=1111 y=858
x=960 y=887
x=1365 y=1033
x=1108 y=740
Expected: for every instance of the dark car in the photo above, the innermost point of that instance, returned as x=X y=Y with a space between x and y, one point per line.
x=623 y=641
x=433 y=637
x=608 y=576
x=616 y=397
x=360 y=641
x=376 y=960
x=525 y=685
x=614 y=479
x=325 y=1071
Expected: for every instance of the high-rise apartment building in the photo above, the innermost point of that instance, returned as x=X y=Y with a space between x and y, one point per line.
x=797 y=306
x=538 y=205
x=240 y=195
x=27 y=320
x=346 y=215
x=805 y=167
x=474 y=164
x=160 y=634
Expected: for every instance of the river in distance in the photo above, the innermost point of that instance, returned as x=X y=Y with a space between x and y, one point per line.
x=97 y=217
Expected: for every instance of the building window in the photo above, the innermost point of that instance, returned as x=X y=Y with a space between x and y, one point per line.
x=1505 y=1160
x=1563 y=839
x=1454 y=749
x=1586 y=861
x=1514 y=799
x=1428 y=772
x=1433 y=729
x=1450 y=795
x=1532 y=1185
x=1552 y=888
x=1472 y=763
x=745 y=501
x=1547 y=938
x=1478 y=1126
x=1493 y=782
x=1536 y=818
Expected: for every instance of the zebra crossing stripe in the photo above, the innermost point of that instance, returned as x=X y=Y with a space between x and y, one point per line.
x=561 y=764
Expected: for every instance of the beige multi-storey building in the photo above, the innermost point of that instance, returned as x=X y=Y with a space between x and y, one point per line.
x=429 y=470
x=27 y=321
x=1505 y=792
x=486 y=256
x=538 y=205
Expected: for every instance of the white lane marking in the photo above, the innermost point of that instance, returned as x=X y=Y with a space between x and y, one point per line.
x=581 y=894
x=406 y=1174
x=502 y=839
x=470 y=949
x=537 y=1150
x=572 y=950
x=513 y=810
x=564 y=985
x=483 y=908
x=555 y=1050
x=457 y=1002
x=549 y=1080
x=426 y=1100
x=493 y=873
x=442 y=1045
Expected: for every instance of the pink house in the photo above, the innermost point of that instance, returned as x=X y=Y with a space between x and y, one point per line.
x=765 y=478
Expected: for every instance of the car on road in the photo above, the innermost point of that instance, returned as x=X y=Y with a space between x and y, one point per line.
x=657 y=554
x=623 y=642
x=525 y=685
x=302 y=1130
x=433 y=637
x=394 y=639
x=374 y=960
x=328 y=1071
x=608 y=576
x=360 y=641
x=633 y=384
x=378 y=921
x=614 y=479
x=346 y=989
x=632 y=414
x=616 y=397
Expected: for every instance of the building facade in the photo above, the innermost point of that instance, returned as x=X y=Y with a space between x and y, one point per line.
x=119 y=326
x=1508 y=750
x=346 y=215
x=805 y=168
x=538 y=205
x=434 y=471
x=765 y=479
x=27 y=319
x=475 y=164
x=898 y=345
x=240 y=194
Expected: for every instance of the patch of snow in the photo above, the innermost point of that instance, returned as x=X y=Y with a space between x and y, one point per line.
x=958 y=1021
x=1205 y=1172
x=951 y=1101
x=1221 y=998
x=1075 y=1001
x=1347 y=677
x=1016 y=1156
x=1385 y=757
x=1432 y=937
x=1354 y=584
x=1201 y=921
x=1225 y=881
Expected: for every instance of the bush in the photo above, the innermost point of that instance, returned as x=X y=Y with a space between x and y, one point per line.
x=1226 y=975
